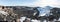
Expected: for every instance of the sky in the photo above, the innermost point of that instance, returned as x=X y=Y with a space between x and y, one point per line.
x=33 y=3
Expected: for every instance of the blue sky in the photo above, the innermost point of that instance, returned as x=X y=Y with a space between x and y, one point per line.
x=16 y=2
x=30 y=3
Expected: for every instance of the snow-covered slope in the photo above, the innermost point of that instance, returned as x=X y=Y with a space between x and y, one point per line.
x=4 y=13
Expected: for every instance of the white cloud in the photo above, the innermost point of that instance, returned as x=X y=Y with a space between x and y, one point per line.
x=41 y=3
x=54 y=3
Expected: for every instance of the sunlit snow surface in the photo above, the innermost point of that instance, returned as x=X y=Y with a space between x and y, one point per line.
x=22 y=19
x=4 y=13
x=35 y=20
x=44 y=11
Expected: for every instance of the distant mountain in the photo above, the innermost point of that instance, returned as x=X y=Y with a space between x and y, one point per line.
x=44 y=11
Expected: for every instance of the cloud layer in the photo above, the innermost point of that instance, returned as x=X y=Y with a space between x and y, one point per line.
x=41 y=3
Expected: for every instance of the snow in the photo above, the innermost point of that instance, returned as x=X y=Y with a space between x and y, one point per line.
x=44 y=11
x=34 y=13
x=35 y=20
x=22 y=19
x=4 y=13
x=59 y=19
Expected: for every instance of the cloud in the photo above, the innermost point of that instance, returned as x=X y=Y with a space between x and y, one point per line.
x=42 y=3
x=33 y=3
x=54 y=3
